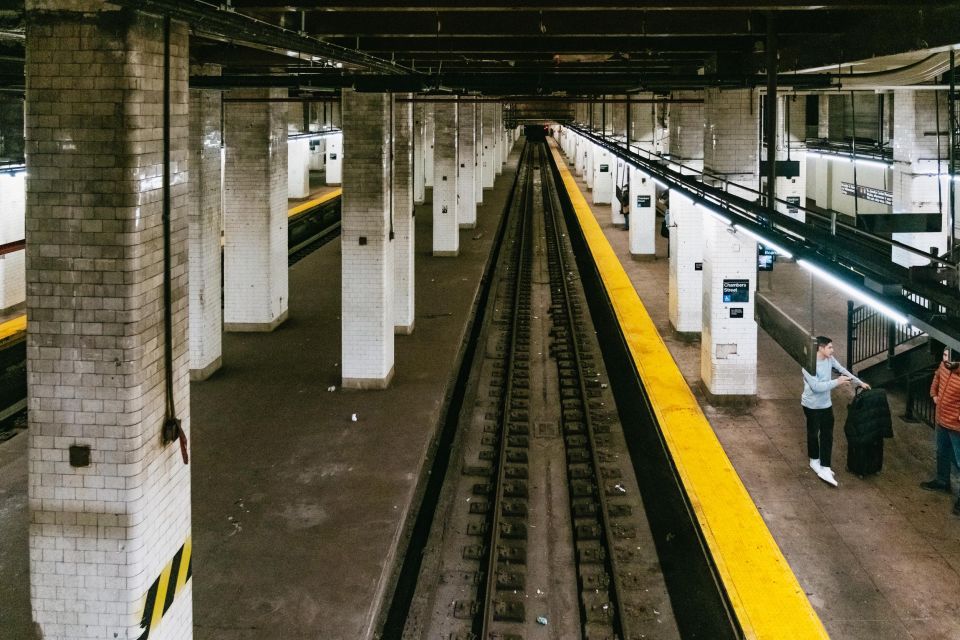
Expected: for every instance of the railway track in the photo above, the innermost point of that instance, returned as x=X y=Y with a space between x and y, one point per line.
x=540 y=530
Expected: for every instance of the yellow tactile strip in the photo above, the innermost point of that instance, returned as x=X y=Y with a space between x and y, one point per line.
x=766 y=597
x=300 y=208
x=12 y=327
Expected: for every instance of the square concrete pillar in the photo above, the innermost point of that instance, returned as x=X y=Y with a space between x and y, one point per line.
x=488 y=153
x=403 y=221
x=205 y=213
x=728 y=354
x=916 y=186
x=791 y=145
x=109 y=501
x=419 y=141
x=333 y=167
x=686 y=266
x=13 y=290
x=642 y=197
x=255 y=212
x=581 y=152
x=367 y=251
x=478 y=152
x=466 y=158
x=498 y=147
x=446 y=228
x=429 y=137
x=590 y=166
x=686 y=232
x=298 y=168
x=604 y=166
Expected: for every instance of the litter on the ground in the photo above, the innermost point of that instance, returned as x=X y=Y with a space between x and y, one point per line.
x=353 y=417
x=541 y=620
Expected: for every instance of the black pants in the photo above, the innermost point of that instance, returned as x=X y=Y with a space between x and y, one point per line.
x=820 y=434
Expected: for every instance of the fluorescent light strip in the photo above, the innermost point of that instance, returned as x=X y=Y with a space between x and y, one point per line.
x=764 y=241
x=853 y=292
x=719 y=216
x=663 y=185
x=681 y=194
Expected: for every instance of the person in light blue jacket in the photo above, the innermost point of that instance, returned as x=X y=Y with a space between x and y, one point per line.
x=818 y=407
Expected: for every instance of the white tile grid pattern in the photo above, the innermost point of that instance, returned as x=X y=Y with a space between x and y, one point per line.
x=99 y=535
x=206 y=312
x=643 y=224
x=728 y=354
x=403 y=222
x=466 y=157
x=603 y=168
x=13 y=197
x=488 y=158
x=298 y=168
x=255 y=209
x=446 y=230
x=478 y=152
x=429 y=143
x=367 y=317
x=419 y=140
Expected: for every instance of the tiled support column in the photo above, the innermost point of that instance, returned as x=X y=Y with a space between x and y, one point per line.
x=686 y=230
x=580 y=151
x=205 y=211
x=590 y=164
x=466 y=150
x=446 y=228
x=298 y=168
x=429 y=143
x=102 y=532
x=419 y=140
x=642 y=198
x=791 y=133
x=820 y=169
x=661 y=132
x=915 y=188
x=643 y=123
x=13 y=291
x=403 y=221
x=498 y=138
x=333 y=169
x=255 y=289
x=478 y=153
x=487 y=157
x=367 y=253
x=603 y=168
x=728 y=355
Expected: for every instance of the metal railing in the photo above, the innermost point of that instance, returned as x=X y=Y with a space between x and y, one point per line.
x=870 y=333
x=920 y=407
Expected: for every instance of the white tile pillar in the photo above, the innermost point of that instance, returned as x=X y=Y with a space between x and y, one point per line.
x=791 y=144
x=205 y=221
x=498 y=138
x=298 y=168
x=446 y=229
x=915 y=183
x=686 y=230
x=333 y=169
x=603 y=168
x=105 y=529
x=488 y=157
x=478 y=152
x=255 y=213
x=367 y=317
x=403 y=221
x=429 y=139
x=13 y=290
x=419 y=161
x=581 y=153
x=590 y=164
x=728 y=355
x=466 y=150
x=642 y=196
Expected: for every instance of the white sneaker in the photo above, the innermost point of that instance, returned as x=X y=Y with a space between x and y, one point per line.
x=826 y=474
x=815 y=465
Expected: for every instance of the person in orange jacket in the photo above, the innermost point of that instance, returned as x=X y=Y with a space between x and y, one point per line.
x=945 y=391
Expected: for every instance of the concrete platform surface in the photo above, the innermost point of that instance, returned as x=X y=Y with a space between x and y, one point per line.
x=298 y=509
x=878 y=557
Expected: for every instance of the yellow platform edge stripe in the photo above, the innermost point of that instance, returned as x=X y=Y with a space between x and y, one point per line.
x=336 y=193
x=764 y=592
x=13 y=327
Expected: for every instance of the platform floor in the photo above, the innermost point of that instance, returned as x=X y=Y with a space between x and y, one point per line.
x=879 y=558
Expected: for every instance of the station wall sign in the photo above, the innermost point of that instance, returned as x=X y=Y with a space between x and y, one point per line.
x=870 y=194
x=604 y=168
x=736 y=312
x=736 y=291
x=643 y=202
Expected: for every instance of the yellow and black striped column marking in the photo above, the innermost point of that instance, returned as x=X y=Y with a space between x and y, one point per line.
x=166 y=587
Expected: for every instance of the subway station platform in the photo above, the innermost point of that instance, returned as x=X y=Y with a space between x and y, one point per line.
x=878 y=557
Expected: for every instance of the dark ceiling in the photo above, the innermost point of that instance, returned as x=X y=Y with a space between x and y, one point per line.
x=568 y=47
